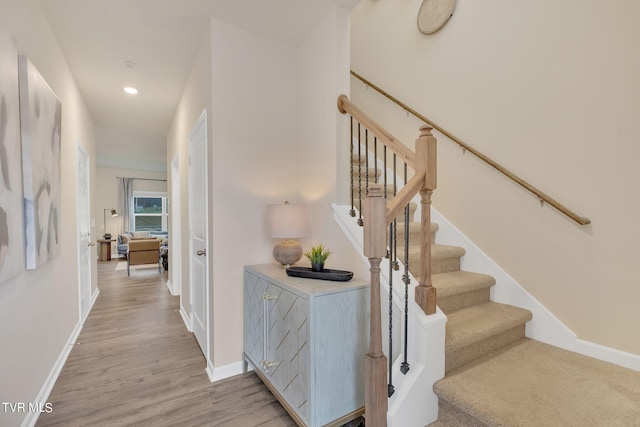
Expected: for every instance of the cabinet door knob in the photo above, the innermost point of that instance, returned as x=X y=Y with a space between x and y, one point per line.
x=202 y=252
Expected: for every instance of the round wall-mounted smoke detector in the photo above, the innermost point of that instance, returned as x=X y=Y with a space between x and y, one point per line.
x=129 y=64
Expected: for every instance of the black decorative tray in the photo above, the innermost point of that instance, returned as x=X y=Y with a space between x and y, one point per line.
x=326 y=274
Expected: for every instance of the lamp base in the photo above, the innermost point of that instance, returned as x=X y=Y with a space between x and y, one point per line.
x=287 y=252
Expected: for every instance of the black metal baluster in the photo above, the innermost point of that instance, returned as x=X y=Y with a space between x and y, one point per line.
x=385 y=172
x=375 y=157
x=396 y=265
x=366 y=160
x=386 y=196
x=352 y=212
x=391 y=388
x=360 y=221
x=404 y=367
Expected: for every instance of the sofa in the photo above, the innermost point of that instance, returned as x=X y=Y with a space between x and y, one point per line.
x=126 y=237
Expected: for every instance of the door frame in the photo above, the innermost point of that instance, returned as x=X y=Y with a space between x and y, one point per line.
x=175 y=219
x=200 y=123
x=91 y=298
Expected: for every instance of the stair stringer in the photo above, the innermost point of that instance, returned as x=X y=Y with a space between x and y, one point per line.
x=414 y=404
x=544 y=326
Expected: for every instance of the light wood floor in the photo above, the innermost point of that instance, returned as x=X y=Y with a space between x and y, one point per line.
x=135 y=363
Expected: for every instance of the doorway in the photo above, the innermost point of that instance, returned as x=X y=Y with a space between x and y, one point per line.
x=198 y=235
x=84 y=232
x=175 y=248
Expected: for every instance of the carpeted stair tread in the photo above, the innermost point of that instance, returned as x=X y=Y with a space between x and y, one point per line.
x=458 y=290
x=358 y=159
x=444 y=258
x=446 y=251
x=415 y=232
x=412 y=207
x=438 y=252
x=362 y=186
x=363 y=172
x=415 y=228
x=529 y=383
x=474 y=324
x=457 y=282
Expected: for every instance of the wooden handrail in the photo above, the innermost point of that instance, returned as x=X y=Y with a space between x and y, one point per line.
x=404 y=196
x=539 y=194
x=378 y=214
x=375 y=248
x=345 y=106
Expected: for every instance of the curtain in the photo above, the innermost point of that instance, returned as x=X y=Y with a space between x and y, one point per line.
x=125 y=204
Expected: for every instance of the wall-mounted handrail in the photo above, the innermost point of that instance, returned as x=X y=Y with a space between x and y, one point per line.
x=539 y=194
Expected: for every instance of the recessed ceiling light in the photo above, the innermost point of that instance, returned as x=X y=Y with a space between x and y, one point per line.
x=131 y=90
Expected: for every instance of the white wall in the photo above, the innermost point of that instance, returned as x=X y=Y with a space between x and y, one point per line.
x=549 y=90
x=39 y=309
x=195 y=98
x=118 y=148
x=323 y=142
x=253 y=141
x=272 y=137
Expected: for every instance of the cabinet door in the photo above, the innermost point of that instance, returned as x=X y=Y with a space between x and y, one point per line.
x=287 y=346
x=254 y=310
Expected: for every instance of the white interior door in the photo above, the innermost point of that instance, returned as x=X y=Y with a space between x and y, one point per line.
x=84 y=232
x=198 y=265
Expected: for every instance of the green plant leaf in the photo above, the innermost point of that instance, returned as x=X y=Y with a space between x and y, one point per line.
x=318 y=254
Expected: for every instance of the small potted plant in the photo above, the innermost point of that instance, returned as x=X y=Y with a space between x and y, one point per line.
x=317 y=255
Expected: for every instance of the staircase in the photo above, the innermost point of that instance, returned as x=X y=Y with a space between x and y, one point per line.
x=495 y=376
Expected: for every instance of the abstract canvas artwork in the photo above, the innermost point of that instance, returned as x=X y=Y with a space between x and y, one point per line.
x=11 y=223
x=40 y=115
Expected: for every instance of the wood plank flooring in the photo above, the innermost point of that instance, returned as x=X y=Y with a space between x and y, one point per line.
x=135 y=363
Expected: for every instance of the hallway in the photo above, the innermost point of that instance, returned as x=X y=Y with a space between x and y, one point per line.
x=135 y=363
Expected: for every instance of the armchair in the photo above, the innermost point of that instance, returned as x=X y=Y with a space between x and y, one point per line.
x=143 y=251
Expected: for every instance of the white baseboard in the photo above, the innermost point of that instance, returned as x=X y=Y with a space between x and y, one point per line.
x=210 y=370
x=43 y=395
x=226 y=371
x=545 y=326
x=185 y=319
x=172 y=289
x=608 y=354
x=41 y=399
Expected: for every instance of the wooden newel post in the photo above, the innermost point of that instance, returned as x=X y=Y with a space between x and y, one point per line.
x=375 y=248
x=426 y=162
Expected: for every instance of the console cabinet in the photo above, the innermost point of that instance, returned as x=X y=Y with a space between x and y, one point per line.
x=307 y=340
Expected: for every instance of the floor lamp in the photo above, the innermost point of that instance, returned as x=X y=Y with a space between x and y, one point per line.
x=107 y=236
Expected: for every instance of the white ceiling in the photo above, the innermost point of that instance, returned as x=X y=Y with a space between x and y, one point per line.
x=162 y=37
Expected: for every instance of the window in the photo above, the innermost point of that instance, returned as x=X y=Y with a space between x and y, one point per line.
x=150 y=211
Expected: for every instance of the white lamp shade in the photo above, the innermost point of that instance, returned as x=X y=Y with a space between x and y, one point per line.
x=287 y=221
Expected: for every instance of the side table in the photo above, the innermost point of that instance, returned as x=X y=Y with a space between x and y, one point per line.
x=105 y=249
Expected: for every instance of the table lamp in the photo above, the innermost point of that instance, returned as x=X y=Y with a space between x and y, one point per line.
x=287 y=222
